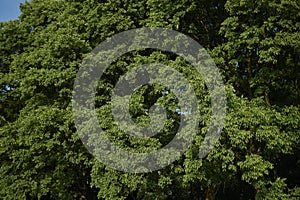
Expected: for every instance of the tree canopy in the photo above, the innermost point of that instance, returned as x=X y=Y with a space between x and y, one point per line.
x=255 y=45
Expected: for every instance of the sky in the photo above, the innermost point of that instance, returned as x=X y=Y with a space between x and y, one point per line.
x=9 y=9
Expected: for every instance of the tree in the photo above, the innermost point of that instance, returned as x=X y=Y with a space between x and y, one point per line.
x=260 y=59
x=256 y=47
x=40 y=155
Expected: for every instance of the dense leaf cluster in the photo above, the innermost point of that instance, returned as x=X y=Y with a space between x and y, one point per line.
x=255 y=44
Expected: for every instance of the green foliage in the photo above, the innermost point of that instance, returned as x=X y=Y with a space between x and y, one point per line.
x=261 y=54
x=255 y=45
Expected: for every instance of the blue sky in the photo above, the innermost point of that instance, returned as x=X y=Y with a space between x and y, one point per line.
x=9 y=9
